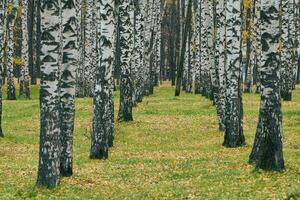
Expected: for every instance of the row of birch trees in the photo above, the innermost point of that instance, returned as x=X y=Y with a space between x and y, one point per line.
x=82 y=43
x=20 y=23
x=230 y=47
x=89 y=48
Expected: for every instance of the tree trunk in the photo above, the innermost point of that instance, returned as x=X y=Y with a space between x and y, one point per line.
x=267 y=148
x=186 y=29
x=31 y=40
x=234 y=136
x=139 y=41
x=204 y=61
x=197 y=13
x=11 y=94
x=25 y=78
x=1 y=59
x=67 y=84
x=287 y=69
x=103 y=126
x=38 y=39
x=221 y=60
x=126 y=85
x=80 y=74
x=49 y=156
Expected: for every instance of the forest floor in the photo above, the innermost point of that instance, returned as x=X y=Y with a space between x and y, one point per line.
x=172 y=150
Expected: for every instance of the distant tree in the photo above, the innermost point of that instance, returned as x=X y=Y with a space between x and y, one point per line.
x=205 y=56
x=103 y=126
x=287 y=69
x=126 y=45
x=67 y=85
x=139 y=41
x=246 y=45
x=221 y=60
x=213 y=72
x=1 y=59
x=255 y=54
x=38 y=38
x=88 y=48
x=49 y=156
x=234 y=136
x=32 y=5
x=148 y=47
x=184 y=40
x=17 y=37
x=80 y=75
x=267 y=148
x=197 y=11
x=25 y=78
x=11 y=91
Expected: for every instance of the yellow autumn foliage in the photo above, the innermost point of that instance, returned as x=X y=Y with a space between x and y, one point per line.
x=247 y=4
x=19 y=11
x=10 y=8
x=245 y=35
x=18 y=61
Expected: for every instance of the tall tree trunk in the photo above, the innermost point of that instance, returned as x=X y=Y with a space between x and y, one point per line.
x=1 y=59
x=31 y=40
x=67 y=84
x=267 y=148
x=255 y=54
x=126 y=86
x=11 y=91
x=221 y=60
x=247 y=33
x=49 y=156
x=197 y=11
x=90 y=53
x=139 y=41
x=186 y=29
x=212 y=49
x=234 y=136
x=80 y=78
x=103 y=126
x=17 y=38
x=298 y=36
x=287 y=70
x=158 y=43
x=25 y=78
x=38 y=39
x=257 y=48
x=204 y=61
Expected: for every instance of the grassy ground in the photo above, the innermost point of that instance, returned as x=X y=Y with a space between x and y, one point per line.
x=171 y=151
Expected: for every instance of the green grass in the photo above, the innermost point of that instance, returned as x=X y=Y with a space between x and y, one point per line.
x=171 y=151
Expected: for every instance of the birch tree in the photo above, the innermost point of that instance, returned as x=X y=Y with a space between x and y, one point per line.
x=234 y=135
x=1 y=59
x=197 y=11
x=25 y=78
x=11 y=91
x=32 y=42
x=287 y=69
x=255 y=54
x=267 y=148
x=103 y=126
x=49 y=155
x=205 y=60
x=184 y=40
x=139 y=41
x=67 y=84
x=220 y=56
x=126 y=43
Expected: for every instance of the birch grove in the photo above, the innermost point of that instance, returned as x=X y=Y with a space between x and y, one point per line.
x=110 y=52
